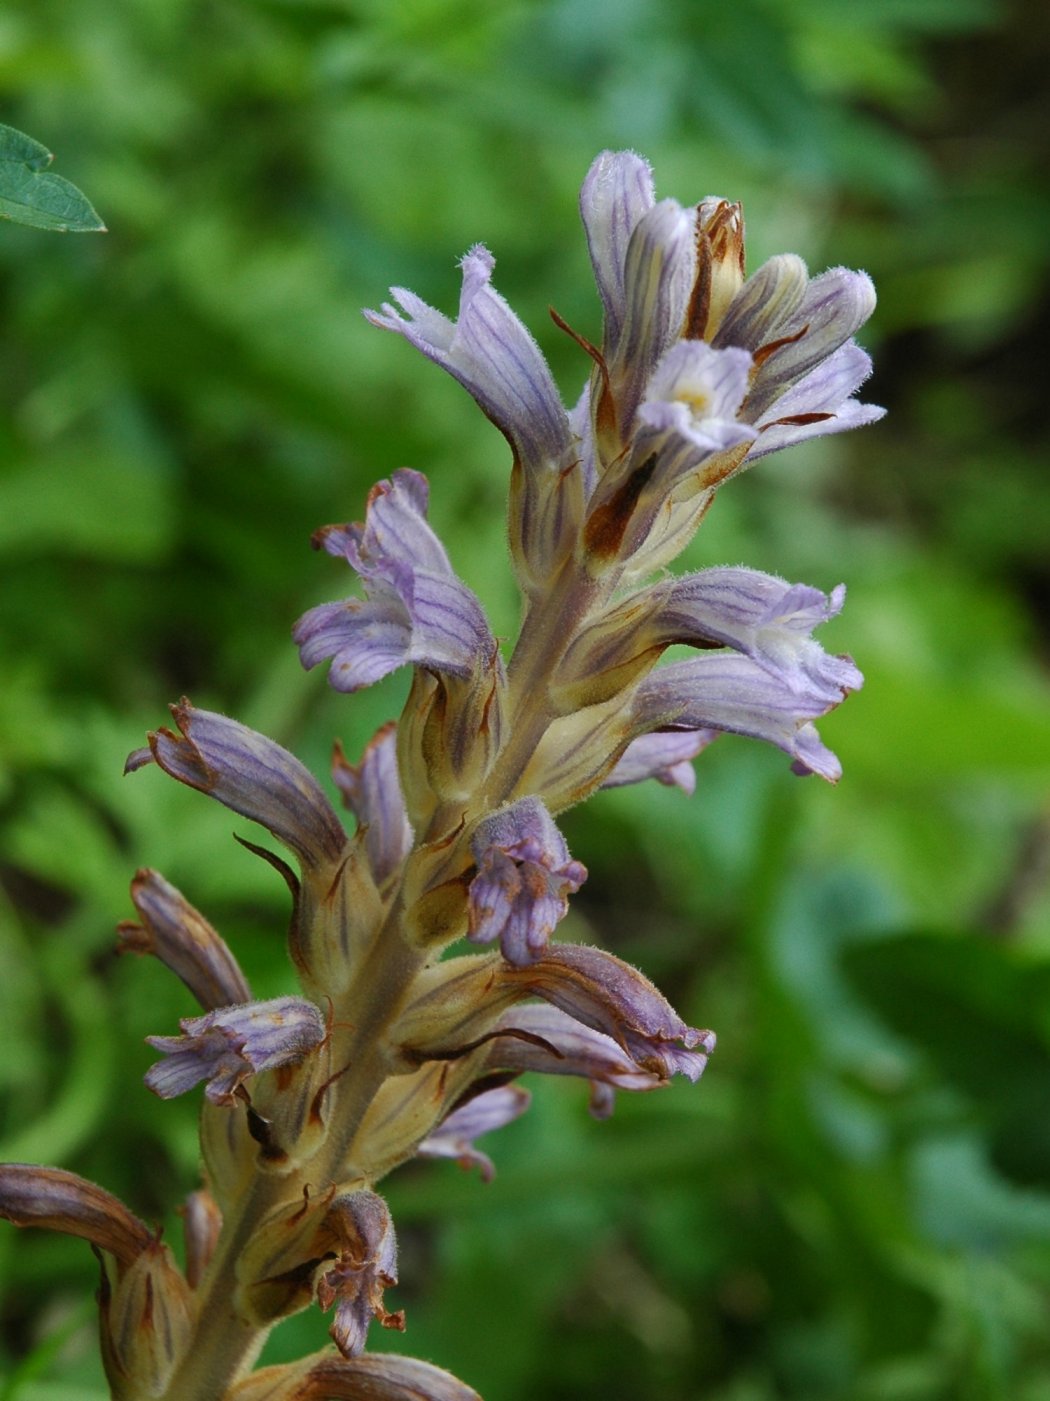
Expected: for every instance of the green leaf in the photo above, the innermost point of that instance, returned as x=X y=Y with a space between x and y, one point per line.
x=31 y=194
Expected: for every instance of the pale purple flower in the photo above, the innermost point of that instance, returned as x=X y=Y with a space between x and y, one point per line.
x=664 y=756
x=525 y=876
x=226 y=1046
x=251 y=775
x=756 y=614
x=608 y=995
x=544 y=1038
x=724 y=691
x=689 y=415
x=372 y=791
x=454 y=1136
x=666 y=272
x=416 y=610
x=493 y=356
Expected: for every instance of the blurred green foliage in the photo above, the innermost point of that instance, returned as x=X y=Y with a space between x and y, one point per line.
x=855 y=1202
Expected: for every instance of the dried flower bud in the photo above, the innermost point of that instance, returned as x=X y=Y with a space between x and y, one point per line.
x=173 y=931
x=340 y=1246
x=365 y=1265
x=719 y=267
x=61 y=1201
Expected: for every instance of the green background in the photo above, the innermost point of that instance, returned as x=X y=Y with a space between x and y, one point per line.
x=854 y=1204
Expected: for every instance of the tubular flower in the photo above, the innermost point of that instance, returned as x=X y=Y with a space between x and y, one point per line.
x=225 y=1047
x=416 y=609
x=454 y=1136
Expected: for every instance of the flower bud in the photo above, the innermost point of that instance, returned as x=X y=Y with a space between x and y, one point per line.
x=406 y=1110
x=201 y=1224
x=719 y=267
x=147 y=1323
x=177 y=934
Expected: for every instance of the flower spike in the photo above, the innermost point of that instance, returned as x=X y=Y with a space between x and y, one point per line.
x=391 y=1050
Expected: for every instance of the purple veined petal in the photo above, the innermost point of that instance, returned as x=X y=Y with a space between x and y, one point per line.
x=416 y=611
x=766 y=619
x=791 y=324
x=495 y=359
x=525 y=876
x=819 y=403
x=617 y=193
x=251 y=775
x=365 y=640
x=372 y=791
x=395 y=528
x=557 y=1044
x=658 y=274
x=725 y=691
x=664 y=756
x=609 y=996
x=757 y=315
x=454 y=1137
x=226 y=1046
x=834 y=306
x=182 y=939
x=851 y=414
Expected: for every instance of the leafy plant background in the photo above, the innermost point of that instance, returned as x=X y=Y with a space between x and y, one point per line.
x=855 y=1202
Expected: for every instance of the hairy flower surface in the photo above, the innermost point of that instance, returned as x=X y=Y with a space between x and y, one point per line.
x=525 y=876
x=227 y=1046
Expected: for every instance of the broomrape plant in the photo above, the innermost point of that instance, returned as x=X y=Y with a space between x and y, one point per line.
x=395 y=1047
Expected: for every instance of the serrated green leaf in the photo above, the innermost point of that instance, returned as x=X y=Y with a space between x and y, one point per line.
x=31 y=194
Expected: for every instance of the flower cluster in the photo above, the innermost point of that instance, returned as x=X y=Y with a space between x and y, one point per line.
x=396 y=1045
